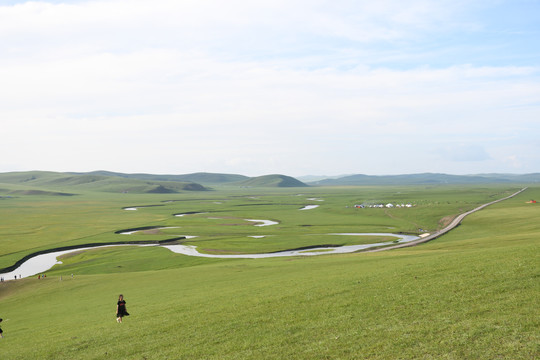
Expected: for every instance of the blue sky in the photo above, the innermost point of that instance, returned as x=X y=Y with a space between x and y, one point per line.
x=261 y=87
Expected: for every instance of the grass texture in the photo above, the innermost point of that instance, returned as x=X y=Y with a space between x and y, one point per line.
x=471 y=294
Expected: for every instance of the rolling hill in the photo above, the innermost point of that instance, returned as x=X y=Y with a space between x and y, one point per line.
x=200 y=177
x=205 y=178
x=29 y=183
x=58 y=183
x=275 y=180
x=427 y=179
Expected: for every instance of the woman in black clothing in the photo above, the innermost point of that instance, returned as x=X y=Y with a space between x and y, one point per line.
x=121 y=309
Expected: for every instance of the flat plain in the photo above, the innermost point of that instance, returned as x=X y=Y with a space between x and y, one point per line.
x=470 y=294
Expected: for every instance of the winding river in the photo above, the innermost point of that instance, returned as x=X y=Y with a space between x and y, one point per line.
x=191 y=250
x=41 y=263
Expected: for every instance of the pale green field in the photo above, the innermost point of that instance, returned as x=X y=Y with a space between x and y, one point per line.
x=471 y=294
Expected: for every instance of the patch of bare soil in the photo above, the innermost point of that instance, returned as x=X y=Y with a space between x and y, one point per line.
x=445 y=221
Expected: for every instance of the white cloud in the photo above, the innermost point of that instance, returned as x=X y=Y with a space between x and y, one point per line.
x=464 y=152
x=513 y=161
x=264 y=87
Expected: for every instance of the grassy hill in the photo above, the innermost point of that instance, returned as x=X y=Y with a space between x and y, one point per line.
x=516 y=178
x=200 y=178
x=35 y=192
x=272 y=181
x=213 y=179
x=428 y=179
x=138 y=183
x=40 y=180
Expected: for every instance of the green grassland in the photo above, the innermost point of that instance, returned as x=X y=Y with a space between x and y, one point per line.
x=31 y=223
x=471 y=294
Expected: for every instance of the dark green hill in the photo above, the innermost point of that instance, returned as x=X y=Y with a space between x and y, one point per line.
x=272 y=181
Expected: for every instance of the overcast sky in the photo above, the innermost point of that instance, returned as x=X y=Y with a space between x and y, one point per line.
x=260 y=87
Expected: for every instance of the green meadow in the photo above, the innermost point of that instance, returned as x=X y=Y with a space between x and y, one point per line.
x=470 y=294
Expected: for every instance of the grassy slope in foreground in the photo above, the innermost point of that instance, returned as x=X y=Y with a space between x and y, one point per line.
x=469 y=295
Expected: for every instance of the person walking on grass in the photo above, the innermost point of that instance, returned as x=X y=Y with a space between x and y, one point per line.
x=121 y=309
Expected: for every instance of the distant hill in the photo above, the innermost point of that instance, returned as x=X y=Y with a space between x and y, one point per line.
x=428 y=178
x=214 y=179
x=521 y=178
x=272 y=181
x=35 y=181
x=313 y=178
x=200 y=178
x=57 y=183
x=31 y=182
x=39 y=192
x=25 y=177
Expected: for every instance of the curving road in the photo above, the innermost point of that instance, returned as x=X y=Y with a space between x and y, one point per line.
x=457 y=220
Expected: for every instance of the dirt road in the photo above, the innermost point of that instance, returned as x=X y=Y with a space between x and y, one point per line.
x=457 y=220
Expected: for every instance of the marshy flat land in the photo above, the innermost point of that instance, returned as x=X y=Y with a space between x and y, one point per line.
x=470 y=294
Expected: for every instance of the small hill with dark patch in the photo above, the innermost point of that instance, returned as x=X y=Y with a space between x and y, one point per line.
x=272 y=181
x=160 y=189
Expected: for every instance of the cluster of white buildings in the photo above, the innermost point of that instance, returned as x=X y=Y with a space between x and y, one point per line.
x=389 y=205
